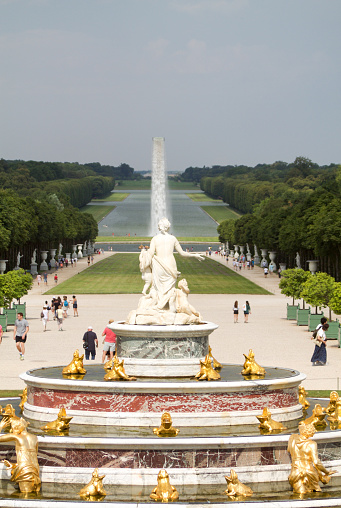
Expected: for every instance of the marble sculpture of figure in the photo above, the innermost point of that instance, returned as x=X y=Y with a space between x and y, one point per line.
x=145 y=269
x=34 y=256
x=306 y=468
x=164 y=304
x=298 y=260
x=18 y=258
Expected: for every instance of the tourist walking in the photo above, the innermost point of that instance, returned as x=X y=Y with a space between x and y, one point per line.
x=235 y=311
x=1 y=333
x=266 y=271
x=44 y=317
x=90 y=343
x=65 y=307
x=39 y=279
x=55 y=278
x=320 y=352
x=247 y=311
x=75 y=306
x=45 y=278
x=60 y=317
x=20 y=332
x=109 y=342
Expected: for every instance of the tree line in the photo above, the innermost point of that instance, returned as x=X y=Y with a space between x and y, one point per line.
x=287 y=208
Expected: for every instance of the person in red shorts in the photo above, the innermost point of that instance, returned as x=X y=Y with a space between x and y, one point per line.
x=109 y=342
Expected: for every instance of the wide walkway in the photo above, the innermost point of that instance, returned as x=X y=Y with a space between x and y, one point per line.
x=275 y=340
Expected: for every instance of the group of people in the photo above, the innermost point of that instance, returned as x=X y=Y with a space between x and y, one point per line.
x=246 y=311
x=60 y=309
x=90 y=343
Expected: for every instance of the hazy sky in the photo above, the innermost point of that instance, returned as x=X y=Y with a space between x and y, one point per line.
x=224 y=81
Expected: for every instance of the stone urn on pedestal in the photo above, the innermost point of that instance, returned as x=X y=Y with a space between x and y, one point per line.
x=85 y=249
x=283 y=266
x=43 y=265
x=264 y=262
x=236 y=253
x=74 y=252
x=312 y=263
x=272 y=256
x=3 y=265
x=68 y=256
x=79 y=247
x=53 y=253
x=256 y=255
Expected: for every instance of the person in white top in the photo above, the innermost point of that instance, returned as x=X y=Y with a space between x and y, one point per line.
x=320 y=352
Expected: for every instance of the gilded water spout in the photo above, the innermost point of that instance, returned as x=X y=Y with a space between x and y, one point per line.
x=75 y=366
x=235 y=488
x=94 y=491
x=164 y=491
x=166 y=429
x=251 y=367
x=207 y=372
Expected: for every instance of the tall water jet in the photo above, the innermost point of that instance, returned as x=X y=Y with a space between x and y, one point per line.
x=159 y=202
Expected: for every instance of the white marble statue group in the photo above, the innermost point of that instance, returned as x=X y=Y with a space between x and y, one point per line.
x=164 y=304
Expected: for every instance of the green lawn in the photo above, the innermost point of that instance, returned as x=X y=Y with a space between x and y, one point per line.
x=98 y=211
x=220 y=213
x=132 y=239
x=113 y=196
x=203 y=197
x=120 y=274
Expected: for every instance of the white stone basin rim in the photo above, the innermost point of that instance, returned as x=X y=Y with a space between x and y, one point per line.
x=167 y=331
x=158 y=387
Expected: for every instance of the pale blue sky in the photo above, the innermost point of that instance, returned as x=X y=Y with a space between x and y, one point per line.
x=224 y=81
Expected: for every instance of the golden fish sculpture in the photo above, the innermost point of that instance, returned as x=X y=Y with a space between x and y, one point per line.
x=166 y=428
x=75 y=366
x=23 y=397
x=235 y=488
x=207 y=372
x=302 y=397
x=94 y=490
x=317 y=418
x=164 y=491
x=216 y=364
x=267 y=423
x=61 y=424
x=251 y=367
x=25 y=472
x=117 y=373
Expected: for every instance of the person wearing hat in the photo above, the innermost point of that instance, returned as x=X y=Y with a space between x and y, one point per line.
x=90 y=343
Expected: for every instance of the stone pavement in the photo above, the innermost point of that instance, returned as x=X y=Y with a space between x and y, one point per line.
x=275 y=340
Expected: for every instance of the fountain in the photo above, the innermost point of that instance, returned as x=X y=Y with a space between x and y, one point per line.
x=159 y=202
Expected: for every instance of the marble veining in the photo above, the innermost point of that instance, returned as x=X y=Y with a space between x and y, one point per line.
x=157 y=348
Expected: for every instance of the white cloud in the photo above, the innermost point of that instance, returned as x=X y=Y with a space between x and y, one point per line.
x=196 y=6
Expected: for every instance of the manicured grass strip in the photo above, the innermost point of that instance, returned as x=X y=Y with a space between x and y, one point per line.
x=133 y=239
x=10 y=393
x=120 y=274
x=147 y=184
x=220 y=213
x=113 y=196
x=203 y=197
x=98 y=211
x=173 y=185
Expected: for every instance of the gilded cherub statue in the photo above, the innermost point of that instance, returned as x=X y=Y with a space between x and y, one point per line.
x=235 y=488
x=251 y=367
x=61 y=424
x=164 y=491
x=23 y=397
x=7 y=415
x=332 y=406
x=335 y=417
x=75 y=366
x=206 y=371
x=26 y=471
x=302 y=394
x=94 y=490
x=166 y=429
x=317 y=418
x=306 y=468
x=117 y=373
x=267 y=423
x=216 y=364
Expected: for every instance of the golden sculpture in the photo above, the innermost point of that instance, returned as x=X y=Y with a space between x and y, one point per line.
x=164 y=491
x=317 y=418
x=94 y=490
x=26 y=471
x=207 y=372
x=306 y=468
x=235 y=488
x=332 y=406
x=61 y=424
x=7 y=415
x=117 y=373
x=23 y=397
x=251 y=367
x=108 y=365
x=302 y=394
x=216 y=364
x=76 y=366
x=335 y=417
x=166 y=429
x=267 y=423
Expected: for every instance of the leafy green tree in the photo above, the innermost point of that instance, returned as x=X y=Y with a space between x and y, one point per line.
x=226 y=231
x=318 y=290
x=292 y=281
x=14 y=285
x=335 y=301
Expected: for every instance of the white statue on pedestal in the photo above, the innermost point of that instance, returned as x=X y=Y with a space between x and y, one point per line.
x=298 y=260
x=34 y=257
x=18 y=258
x=159 y=306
